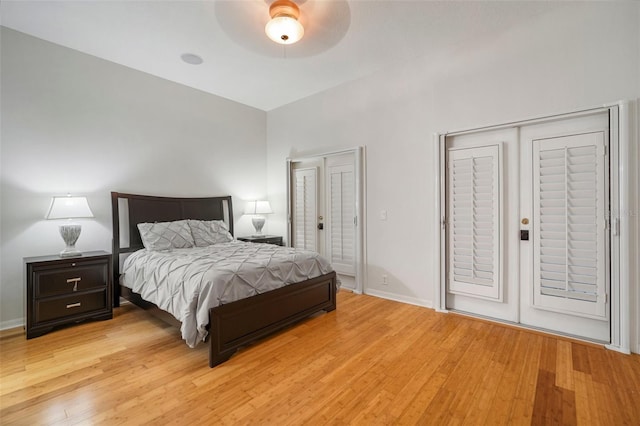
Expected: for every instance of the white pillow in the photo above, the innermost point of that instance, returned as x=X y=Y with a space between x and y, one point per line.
x=208 y=232
x=166 y=235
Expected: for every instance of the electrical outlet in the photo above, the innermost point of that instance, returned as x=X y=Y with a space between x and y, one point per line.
x=384 y=280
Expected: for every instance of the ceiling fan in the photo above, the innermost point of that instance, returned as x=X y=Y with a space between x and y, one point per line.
x=313 y=25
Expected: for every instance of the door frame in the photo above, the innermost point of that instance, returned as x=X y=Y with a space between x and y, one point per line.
x=360 y=203
x=621 y=184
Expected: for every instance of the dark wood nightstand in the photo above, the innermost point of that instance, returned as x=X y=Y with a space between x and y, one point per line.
x=267 y=239
x=65 y=290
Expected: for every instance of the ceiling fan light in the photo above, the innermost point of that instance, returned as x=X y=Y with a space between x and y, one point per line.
x=284 y=27
x=284 y=30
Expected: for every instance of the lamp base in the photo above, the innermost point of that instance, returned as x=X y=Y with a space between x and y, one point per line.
x=71 y=253
x=258 y=223
x=70 y=233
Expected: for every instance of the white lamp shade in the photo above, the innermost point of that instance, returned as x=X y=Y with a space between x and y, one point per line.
x=284 y=30
x=257 y=207
x=68 y=208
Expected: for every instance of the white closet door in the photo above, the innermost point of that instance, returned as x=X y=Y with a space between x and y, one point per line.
x=474 y=204
x=569 y=216
x=341 y=205
x=305 y=209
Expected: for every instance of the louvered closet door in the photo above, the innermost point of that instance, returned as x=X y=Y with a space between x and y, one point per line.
x=569 y=270
x=527 y=240
x=474 y=224
x=341 y=227
x=305 y=209
x=564 y=267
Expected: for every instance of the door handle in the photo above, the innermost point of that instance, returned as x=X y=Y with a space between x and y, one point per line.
x=524 y=233
x=321 y=226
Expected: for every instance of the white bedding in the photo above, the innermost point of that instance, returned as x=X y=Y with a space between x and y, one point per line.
x=187 y=282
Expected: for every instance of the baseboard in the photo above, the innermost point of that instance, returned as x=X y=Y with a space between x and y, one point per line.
x=620 y=349
x=6 y=325
x=346 y=287
x=398 y=298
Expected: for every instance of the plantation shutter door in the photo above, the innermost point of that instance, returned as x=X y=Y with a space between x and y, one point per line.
x=474 y=221
x=569 y=219
x=341 y=186
x=305 y=206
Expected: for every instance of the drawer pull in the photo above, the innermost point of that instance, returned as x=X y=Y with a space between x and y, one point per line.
x=73 y=305
x=75 y=282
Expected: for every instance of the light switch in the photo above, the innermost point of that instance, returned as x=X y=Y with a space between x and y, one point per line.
x=383 y=215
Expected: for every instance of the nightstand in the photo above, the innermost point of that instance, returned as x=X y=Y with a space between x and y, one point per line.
x=66 y=290
x=267 y=239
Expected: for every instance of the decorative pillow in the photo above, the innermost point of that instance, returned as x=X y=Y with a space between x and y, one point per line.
x=166 y=235
x=208 y=232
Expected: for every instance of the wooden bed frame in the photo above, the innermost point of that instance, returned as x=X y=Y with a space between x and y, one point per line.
x=235 y=324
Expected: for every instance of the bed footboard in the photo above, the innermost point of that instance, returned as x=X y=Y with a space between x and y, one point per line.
x=239 y=323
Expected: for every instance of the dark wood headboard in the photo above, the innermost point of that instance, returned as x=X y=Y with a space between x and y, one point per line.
x=128 y=210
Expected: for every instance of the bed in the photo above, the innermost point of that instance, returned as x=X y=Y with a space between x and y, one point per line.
x=234 y=324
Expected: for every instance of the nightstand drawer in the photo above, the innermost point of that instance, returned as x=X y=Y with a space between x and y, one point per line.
x=55 y=281
x=272 y=240
x=60 y=307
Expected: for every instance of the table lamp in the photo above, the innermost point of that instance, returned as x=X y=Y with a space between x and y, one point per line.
x=257 y=209
x=69 y=208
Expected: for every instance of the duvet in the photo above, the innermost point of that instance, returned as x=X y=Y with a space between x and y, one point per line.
x=188 y=282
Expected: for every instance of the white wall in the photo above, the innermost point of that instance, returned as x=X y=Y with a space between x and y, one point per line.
x=75 y=123
x=584 y=55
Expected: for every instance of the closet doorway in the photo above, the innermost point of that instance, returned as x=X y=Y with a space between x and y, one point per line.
x=325 y=210
x=529 y=226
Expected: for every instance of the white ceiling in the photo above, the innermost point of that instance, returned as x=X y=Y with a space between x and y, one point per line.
x=344 y=40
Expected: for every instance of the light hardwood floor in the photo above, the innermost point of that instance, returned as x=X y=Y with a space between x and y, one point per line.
x=372 y=361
